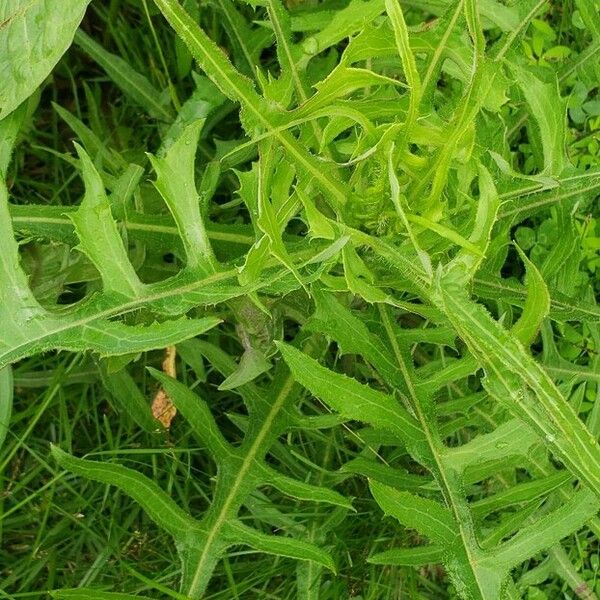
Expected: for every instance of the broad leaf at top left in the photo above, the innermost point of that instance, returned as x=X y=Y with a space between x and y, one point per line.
x=34 y=34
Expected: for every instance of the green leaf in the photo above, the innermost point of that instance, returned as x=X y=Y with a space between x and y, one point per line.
x=536 y=307
x=34 y=34
x=317 y=222
x=359 y=278
x=561 y=307
x=521 y=493
x=91 y=142
x=197 y=413
x=111 y=338
x=352 y=399
x=409 y=65
x=548 y=110
x=272 y=214
x=509 y=370
x=93 y=594
x=252 y=364
x=17 y=302
x=394 y=477
x=134 y=85
x=513 y=438
x=398 y=200
x=161 y=508
x=128 y=398
x=342 y=81
x=485 y=218
x=31 y=330
x=99 y=237
x=279 y=545
x=238 y=88
x=429 y=517
x=6 y=401
x=589 y=16
x=280 y=20
x=413 y=557
x=547 y=530
x=176 y=184
x=304 y=491
x=9 y=130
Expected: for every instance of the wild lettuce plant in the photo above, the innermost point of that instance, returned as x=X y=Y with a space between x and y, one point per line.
x=364 y=279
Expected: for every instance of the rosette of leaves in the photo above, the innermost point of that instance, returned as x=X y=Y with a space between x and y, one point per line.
x=381 y=181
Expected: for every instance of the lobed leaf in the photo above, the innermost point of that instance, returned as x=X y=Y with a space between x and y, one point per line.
x=160 y=507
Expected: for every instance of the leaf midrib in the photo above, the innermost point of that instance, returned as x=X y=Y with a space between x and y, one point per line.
x=433 y=446
x=253 y=452
x=551 y=404
x=61 y=326
x=256 y=105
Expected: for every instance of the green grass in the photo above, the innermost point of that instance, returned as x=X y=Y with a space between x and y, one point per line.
x=370 y=229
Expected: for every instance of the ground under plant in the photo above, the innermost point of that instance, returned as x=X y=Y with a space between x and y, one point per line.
x=299 y=300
